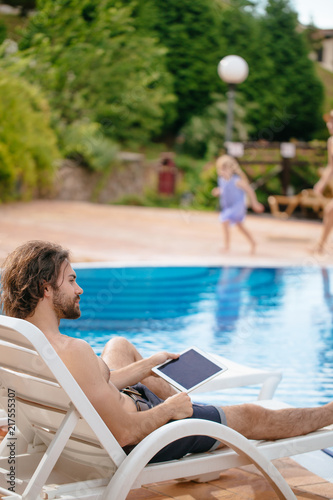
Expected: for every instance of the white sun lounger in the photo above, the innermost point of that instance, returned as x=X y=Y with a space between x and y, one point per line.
x=62 y=449
x=3 y=418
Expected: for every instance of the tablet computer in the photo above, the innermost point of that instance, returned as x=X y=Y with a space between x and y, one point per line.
x=193 y=368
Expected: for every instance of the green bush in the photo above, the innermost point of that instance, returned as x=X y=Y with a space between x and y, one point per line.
x=7 y=178
x=85 y=143
x=203 y=196
x=28 y=145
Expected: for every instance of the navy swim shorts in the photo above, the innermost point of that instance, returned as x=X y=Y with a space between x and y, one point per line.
x=190 y=444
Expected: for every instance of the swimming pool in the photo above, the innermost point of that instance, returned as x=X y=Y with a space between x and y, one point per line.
x=277 y=318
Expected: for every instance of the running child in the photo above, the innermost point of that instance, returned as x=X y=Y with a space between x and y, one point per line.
x=232 y=189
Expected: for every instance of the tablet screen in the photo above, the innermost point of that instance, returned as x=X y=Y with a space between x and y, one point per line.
x=190 y=369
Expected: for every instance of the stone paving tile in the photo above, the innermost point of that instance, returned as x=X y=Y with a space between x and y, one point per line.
x=197 y=491
x=296 y=475
x=145 y=494
x=323 y=489
x=245 y=483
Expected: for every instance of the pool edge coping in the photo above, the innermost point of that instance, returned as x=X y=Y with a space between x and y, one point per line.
x=197 y=263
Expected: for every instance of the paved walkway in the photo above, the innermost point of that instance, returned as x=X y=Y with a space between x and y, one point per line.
x=148 y=235
x=131 y=234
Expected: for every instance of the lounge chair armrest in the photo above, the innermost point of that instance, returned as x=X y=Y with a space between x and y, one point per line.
x=239 y=375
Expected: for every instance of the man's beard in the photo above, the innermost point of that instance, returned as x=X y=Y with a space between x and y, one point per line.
x=65 y=308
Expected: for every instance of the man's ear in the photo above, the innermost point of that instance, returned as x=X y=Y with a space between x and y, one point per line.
x=47 y=289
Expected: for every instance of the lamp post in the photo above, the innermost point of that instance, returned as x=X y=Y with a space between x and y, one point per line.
x=232 y=70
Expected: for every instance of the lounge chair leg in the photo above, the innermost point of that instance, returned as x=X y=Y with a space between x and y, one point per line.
x=51 y=456
x=205 y=478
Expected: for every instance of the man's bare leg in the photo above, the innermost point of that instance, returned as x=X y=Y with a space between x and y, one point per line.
x=119 y=352
x=256 y=422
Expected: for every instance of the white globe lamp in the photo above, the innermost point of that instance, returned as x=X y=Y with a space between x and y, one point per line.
x=233 y=69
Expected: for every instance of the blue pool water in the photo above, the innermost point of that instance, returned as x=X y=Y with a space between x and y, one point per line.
x=264 y=317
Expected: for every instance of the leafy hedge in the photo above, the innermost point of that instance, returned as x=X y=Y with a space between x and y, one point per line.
x=28 y=146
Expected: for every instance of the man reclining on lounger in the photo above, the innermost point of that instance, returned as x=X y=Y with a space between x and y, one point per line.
x=39 y=285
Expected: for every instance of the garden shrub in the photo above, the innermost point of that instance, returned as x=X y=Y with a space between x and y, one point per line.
x=85 y=143
x=28 y=145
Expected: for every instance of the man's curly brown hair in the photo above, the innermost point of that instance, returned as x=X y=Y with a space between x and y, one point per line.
x=25 y=273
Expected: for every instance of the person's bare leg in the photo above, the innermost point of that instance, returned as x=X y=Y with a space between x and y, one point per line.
x=248 y=236
x=256 y=422
x=119 y=352
x=327 y=227
x=226 y=234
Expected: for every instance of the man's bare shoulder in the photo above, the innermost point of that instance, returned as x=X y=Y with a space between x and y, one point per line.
x=74 y=343
x=69 y=346
x=78 y=356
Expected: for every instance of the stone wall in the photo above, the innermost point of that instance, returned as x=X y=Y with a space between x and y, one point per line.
x=131 y=176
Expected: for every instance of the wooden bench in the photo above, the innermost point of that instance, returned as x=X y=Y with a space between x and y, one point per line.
x=306 y=199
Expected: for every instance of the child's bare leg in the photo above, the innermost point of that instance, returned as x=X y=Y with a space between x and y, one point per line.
x=247 y=235
x=226 y=233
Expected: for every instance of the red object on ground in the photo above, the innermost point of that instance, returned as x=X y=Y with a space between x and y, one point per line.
x=167 y=177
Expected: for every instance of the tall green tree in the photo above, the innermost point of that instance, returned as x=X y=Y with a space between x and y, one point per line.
x=297 y=93
x=92 y=63
x=282 y=88
x=190 y=31
x=139 y=68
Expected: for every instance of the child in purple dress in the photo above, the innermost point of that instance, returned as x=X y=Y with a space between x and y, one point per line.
x=232 y=189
